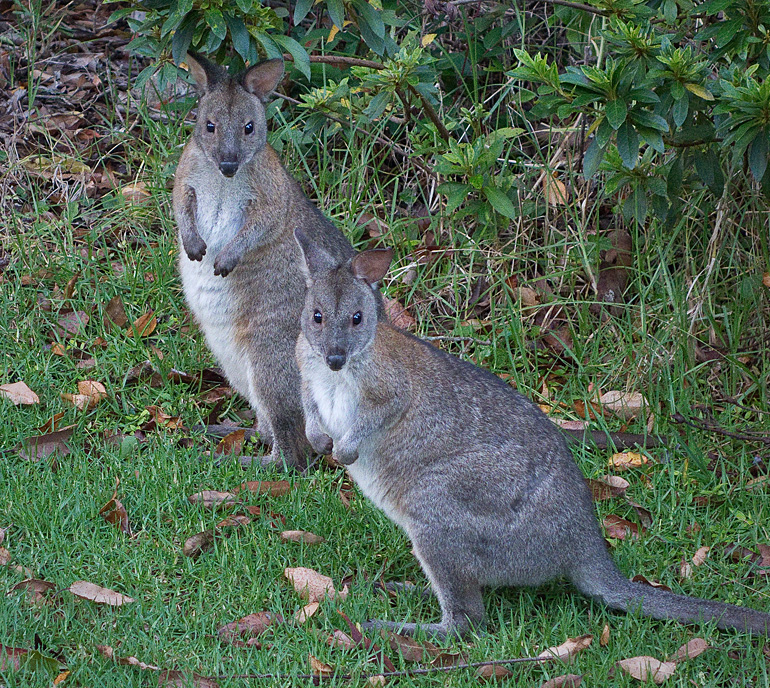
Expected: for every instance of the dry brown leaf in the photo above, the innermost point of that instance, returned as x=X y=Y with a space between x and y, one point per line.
x=644 y=668
x=602 y=490
x=320 y=668
x=340 y=639
x=619 y=528
x=301 y=536
x=758 y=483
x=313 y=586
x=35 y=588
x=249 y=626
x=135 y=193
x=274 y=488
x=61 y=678
x=115 y=513
x=99 y=595
x=639 y=578
x=700 y=556
x=554 y=189
x=42 y=446
x=410 y=649
x=233 y=522
x=446 y=659
x=565 y=681
x=685 y=568
x=196 y=544
x=90 y=393
x=5 y=557
x=304 y=614
x=398 y=314
x=232 y=443
x=625 y=460
x=114 y=314
x=178 y=679
x=109 y=653
x=568 y=649
x=625 y=405
x=376 y=681
x=605 y=636
x=52 y=423
x=18 y=393
x=528 y=297
x=71 y=324
x=212 y=499
x=487 y=673
x=144 y=325
x=766 y=279
x=164 y=420
x=690 y=650
x=567 y=424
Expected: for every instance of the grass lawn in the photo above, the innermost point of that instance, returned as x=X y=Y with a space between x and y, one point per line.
x=691 y=337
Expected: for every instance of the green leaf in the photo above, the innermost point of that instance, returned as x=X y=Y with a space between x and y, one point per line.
x=616 y=111
x=370 y=16
x=669 y=11
x=245 y=6
x=336 y=11
x=635 y=206
x=301 y=10
x=628 y=145
x=371 y=39
x=216 y=22
x=271 y=49
x=593 y=158
x=377 y=105
x=699 y=91
x=456 y=194
x=301 y=59
x=500 y=202
x=675 y=176
x=710 y=171
x=680 y=110
x=758 y=153
x=240 y=35
x=180 y=43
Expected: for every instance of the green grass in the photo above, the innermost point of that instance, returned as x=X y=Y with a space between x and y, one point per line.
x=676 y=296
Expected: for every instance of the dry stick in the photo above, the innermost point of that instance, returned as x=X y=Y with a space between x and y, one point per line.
x=432 y=114
x=405 y=672
x=620 y=440
x=709 y=427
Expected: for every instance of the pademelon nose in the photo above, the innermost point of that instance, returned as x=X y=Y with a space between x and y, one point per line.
x=335 y=361
x=228 y=168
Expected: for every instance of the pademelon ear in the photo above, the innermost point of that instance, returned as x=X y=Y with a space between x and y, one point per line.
x=316 y=258
x=371 y=266
x=262 y=79
x=206 y=74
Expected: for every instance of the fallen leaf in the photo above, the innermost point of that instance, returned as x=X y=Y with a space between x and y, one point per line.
x=135 y=193
x=601 y=490
x=274 y=488
x=644 y=668
x=690 y=650
x=144 y=325
x=61 y=678
x=304 y=614
x=766 y=279
x=212 y=499
x=16 y=658
x=639 y=578
x=71 y=324
x=233 y=522
x=313 y=586
x=249 y=626
x=626 y=460
x=301 y=536
x=196 y=544
x=625 y=405
x=320 y=668
x=376 y=681
x=109 y=653
x=568 y=424
x=411 y=650
x=5 y=557
x=398 y=314
x=18 y=393
x=99 y=595
x=340 y=639
x=42 y=446
x=568 y=649
x=554 y=189
x=115 y=513
x=565 y=681
x=114 y=314
x=52 y=423
x=528 y=297
x=700 y=556
x=685 y=568
x=35 y=588
x=447 y=659
x=492 y=672
x=605 y=637
x=619 y=528
x=90 y=393
x=178 y=679
x=164 y=420
x=232 y=443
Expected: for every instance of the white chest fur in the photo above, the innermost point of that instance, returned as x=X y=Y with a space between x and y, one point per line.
x=336 y=395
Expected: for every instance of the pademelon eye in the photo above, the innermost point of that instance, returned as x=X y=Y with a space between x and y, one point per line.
x=317 y=316
x=210 y=127
x=357 y=318
x=249 y=128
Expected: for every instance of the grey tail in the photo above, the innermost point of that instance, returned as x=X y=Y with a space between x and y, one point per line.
x=602 y=581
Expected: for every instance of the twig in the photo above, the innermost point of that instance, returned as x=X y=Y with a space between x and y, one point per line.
x=620 y=440
x=709 y=427
x=340 y=59
x=447 y=338
x=432 y=114
x=735 y=402
x=386 y=674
